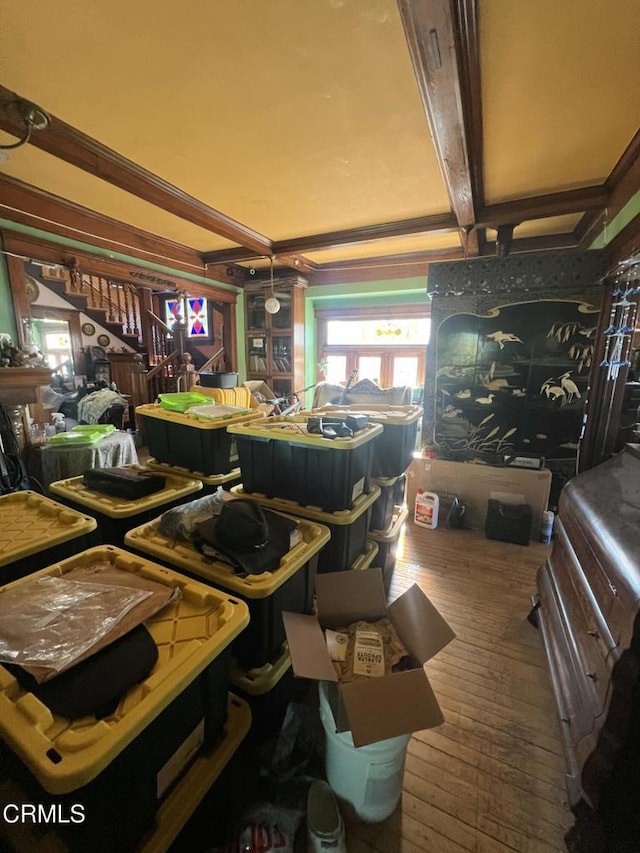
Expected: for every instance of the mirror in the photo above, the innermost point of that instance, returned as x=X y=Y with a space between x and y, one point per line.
x=55 y=334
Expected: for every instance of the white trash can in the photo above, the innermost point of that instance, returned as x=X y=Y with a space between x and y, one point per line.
x=369 y=777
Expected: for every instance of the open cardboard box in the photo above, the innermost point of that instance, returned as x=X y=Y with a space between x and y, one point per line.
x=377 y=708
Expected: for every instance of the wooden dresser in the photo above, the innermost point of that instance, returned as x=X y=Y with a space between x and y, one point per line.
x=589 y=618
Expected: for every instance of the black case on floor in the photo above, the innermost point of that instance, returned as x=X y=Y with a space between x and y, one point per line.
x=508 y=522
x=123 y=482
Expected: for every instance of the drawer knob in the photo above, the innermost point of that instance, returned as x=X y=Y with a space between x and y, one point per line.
x=594 y=634
x=592 y=675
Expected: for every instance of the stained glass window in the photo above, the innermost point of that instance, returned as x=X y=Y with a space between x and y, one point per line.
x=195 y=316
x=197 y=321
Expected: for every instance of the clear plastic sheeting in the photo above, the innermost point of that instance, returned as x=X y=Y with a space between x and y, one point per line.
x=51 y=622
x=180 y=521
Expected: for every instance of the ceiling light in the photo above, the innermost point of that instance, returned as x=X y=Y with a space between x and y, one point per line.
x=32 y=117
x=272 y=306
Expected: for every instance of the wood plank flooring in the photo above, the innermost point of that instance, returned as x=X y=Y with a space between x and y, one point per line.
x=491 y=778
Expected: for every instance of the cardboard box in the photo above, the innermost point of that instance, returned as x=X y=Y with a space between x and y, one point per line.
x=473 y=484
x=372 y=709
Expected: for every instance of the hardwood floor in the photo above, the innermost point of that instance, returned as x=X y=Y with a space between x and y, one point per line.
x=490 y=779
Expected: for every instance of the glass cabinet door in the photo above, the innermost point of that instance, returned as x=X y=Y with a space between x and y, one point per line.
x=257 y=352
x=256 y=314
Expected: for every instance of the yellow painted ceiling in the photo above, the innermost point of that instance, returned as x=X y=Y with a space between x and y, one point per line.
x=560 y=92
x=292 y=116
x=298 y=117
x=47 y=172
x=542 y=227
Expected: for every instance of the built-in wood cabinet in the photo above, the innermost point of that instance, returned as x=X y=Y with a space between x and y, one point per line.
x=275 y=342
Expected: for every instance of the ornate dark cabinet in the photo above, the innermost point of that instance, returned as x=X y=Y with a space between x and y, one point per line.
x=589 y=618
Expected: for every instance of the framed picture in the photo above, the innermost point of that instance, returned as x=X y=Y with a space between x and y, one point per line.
x=104 y=340
x=88 y=329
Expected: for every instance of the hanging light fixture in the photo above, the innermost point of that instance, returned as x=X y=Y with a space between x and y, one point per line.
x=272 y=305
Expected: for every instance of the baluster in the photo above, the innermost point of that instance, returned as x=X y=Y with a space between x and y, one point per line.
x=128 y=310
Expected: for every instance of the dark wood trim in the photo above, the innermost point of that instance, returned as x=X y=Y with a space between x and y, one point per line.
x=440 y=223
x=545 y=243
x=430 y=31
x=56 y=253
x=71 y=145
x=19 y=295
x=542 y=206
x=622 y=184
x=627 y=242
x=31 y=206
x=468 y=42
x=373 y=269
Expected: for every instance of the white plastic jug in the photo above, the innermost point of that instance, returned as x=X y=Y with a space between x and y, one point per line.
x=369 y=777
x=426 y=509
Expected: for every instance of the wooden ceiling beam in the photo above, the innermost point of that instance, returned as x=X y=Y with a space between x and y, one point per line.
x=442 y=40
x=544 y=243
x=542 y=206
x=28 y=205
x=71 y=145
x=441 y=223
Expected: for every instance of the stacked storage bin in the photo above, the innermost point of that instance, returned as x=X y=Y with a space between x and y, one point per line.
x=279 y=458
x=36 y=531
x=289 y=587
x=348 y=547
x=115 y=515
x=121 y=768
x=392 y=456
x=192 y=446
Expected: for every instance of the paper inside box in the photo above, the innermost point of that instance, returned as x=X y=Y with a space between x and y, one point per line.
x=372 y=708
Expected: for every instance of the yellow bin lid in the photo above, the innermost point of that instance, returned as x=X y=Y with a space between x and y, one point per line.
x=377 y=413
x=30 y=523
x=155 y=410
x=189 y=632
x=400 y=516
x=184 y=555
x=206 y=480
x=74 y=490
x=341 y=516
x=293 y=429
x=261 y=679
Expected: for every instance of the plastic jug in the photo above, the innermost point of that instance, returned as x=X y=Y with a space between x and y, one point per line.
x=426 y=509
x=58 y=422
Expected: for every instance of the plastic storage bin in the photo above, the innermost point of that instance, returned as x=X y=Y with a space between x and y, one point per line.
x=115 y=516
x=209 y=483
x=365 y=560
x=289 y=587
x=205 y=771
x=36 y=531
x=280 y=459
x=268 y=690
x=176 y=809
x=120 y=767
x=369 y=777
x=395 y=448
x=387 y=543
x=188 y=441
x=348 y=528
x=393 y=492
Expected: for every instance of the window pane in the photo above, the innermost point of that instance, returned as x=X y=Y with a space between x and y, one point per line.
x=412 y=331
x=369 y=368
x=405 y=370
x=336 y=371
x=197 y=321
x=172 y=308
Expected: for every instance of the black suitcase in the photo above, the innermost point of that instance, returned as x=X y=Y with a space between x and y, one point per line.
x=127 y=483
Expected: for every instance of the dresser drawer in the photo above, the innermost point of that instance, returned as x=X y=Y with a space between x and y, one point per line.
x=590 y=662
x=618 y=618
